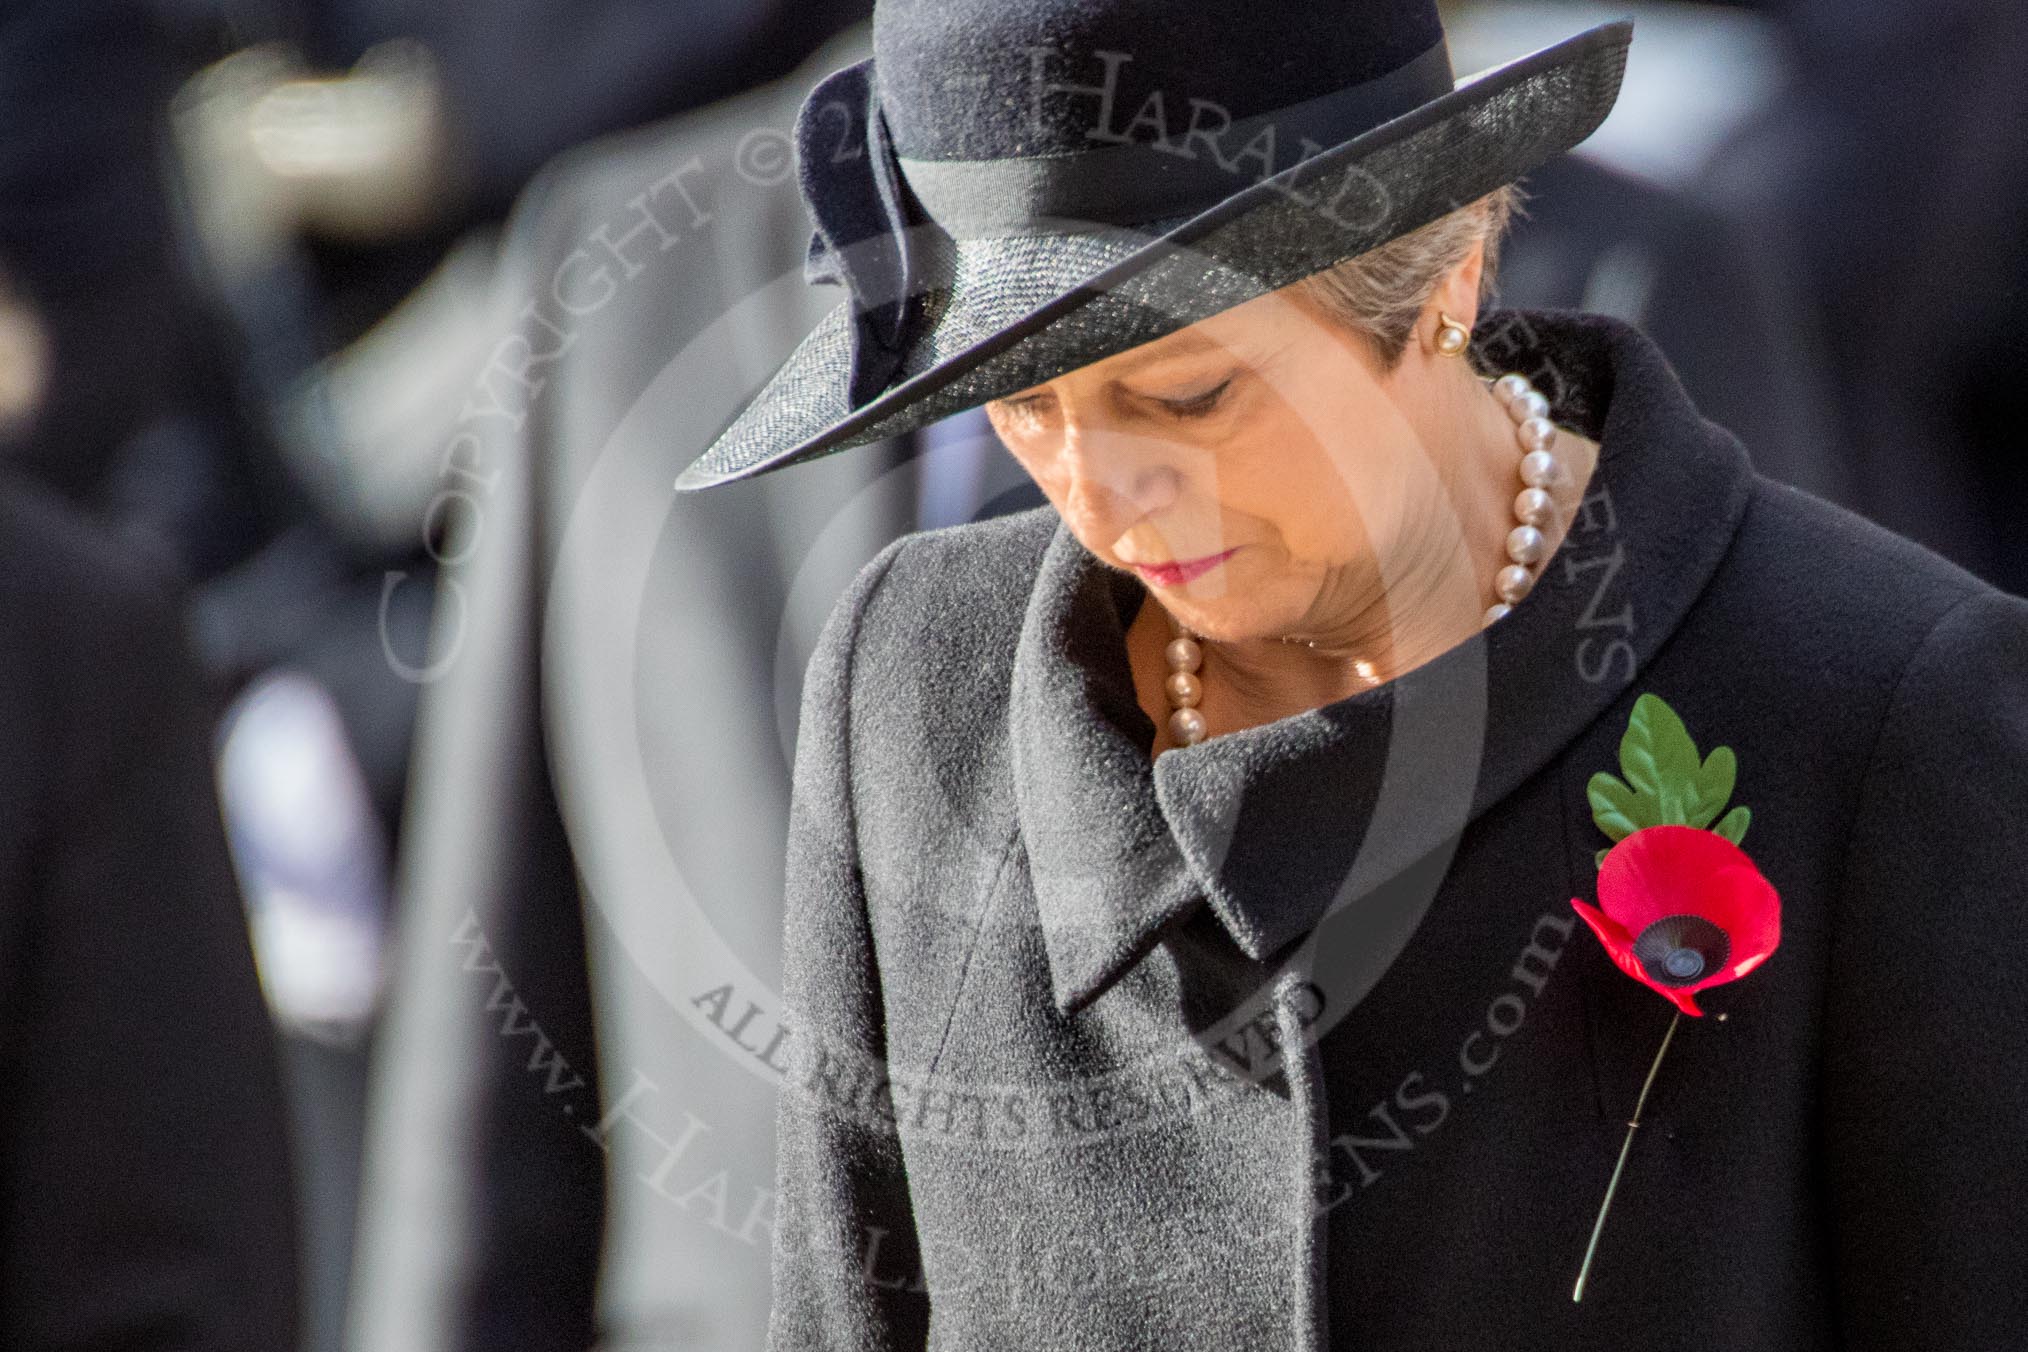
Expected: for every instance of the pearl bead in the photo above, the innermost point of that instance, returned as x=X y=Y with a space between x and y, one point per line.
x=1536 y=434
x=1534 y=507
x=1185 y=656
x=1538 y=469
x=1525 y=544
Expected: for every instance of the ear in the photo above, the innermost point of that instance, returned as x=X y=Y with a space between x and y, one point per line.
x=1457 y=295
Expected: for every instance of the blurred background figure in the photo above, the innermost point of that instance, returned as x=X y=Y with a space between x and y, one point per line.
x=146 y=1199
x=385 y=324
x=1622 y=227
x=1846 y=209
x=591 y=894
x=1890 y=171
x=202 y=203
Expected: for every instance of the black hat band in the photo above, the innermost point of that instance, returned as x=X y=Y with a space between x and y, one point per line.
x=1146 y=180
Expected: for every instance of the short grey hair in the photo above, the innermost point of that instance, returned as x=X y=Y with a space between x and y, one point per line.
x=1381 y=293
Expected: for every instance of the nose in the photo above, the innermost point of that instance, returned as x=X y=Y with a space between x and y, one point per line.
x=1115 y=478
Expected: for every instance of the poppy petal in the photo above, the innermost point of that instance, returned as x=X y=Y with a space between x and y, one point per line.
x=1745 y=965
x=1663 y=871
x=1610 y=931
x=1618 y=944
x=1743 y=902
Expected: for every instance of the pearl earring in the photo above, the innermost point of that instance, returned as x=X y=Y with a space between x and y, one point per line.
x=1451 y=336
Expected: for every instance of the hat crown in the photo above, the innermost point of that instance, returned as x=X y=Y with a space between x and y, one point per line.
x=1004 y=309
x=998 y=79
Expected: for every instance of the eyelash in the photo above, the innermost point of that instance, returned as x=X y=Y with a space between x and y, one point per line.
x=1198 y=405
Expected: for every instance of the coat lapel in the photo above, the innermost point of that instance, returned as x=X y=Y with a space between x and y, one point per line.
x=1104 y=863
x=1275 y=826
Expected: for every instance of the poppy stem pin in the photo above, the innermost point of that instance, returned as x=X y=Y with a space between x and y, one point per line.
x=1681 y=907
x=1590 y=1249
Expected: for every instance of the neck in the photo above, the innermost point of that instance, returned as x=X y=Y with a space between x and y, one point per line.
x=1430 y=595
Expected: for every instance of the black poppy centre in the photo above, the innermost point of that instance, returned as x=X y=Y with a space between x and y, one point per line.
x=1680 y=949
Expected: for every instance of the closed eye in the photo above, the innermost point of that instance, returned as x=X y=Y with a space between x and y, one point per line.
x=1197 y=405
x=1020 y=403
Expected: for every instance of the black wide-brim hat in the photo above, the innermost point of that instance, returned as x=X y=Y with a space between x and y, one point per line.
x=1013 y=189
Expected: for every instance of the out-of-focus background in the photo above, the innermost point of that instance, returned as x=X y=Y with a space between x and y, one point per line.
x=379 y=328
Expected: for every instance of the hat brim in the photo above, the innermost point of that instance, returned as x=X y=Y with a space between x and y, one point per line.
x=1008 y=313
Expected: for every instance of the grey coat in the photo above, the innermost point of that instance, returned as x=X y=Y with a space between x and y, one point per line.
x=1084 y=1055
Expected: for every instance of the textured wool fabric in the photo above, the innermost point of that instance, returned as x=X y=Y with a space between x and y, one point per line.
x=1093 y=1051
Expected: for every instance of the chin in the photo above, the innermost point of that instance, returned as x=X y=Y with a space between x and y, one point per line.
x=1223 y=621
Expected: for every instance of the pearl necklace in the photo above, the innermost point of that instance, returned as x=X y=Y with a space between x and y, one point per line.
x=1534 y=510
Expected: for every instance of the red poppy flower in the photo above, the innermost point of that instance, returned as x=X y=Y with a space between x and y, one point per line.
x=1681 y=908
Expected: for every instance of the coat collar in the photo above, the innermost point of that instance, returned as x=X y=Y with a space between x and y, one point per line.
x=1269 y=824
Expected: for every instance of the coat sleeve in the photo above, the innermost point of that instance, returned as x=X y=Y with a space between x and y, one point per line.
x=1926 y=1101
x=846 y=1268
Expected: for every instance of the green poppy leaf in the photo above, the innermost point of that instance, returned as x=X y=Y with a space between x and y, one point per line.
x=1613 y=806
x=1661 y=759
x=1598 y=860
x=1733 y=825
x=1714 y=785
x=1667 y=781
x=1637 y=748
x=1676 y=754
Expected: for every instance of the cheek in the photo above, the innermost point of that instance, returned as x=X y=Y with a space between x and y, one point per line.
x=1033 y=441
x=1028 y=450
x=1288 y=472
x=1043 y=470
x=1356 y=470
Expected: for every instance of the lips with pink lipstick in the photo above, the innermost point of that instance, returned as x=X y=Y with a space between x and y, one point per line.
x=1178 y=572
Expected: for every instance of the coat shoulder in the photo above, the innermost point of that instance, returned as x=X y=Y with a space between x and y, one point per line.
x=1879 y=556
x=961 y=588
x=1822 y=590
x=933 y=645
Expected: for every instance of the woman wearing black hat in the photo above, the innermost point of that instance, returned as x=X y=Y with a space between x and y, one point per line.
x=1184 y=884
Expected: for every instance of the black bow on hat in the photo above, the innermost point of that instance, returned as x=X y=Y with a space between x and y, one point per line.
x=866 y=219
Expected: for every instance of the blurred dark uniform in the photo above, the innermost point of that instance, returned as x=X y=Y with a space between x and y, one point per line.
x=1892 y=177
x=145 y=1190
x=1738 y=328
x=530 y=1186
